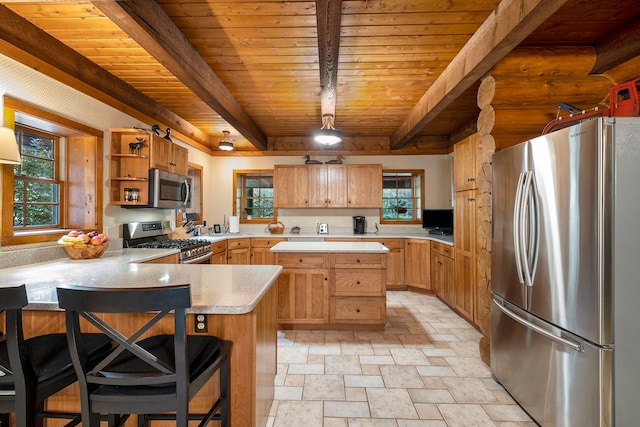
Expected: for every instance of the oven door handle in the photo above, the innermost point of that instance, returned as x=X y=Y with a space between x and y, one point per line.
x=199 y=259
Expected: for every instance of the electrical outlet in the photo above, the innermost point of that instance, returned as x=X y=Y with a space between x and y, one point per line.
x=201 y=323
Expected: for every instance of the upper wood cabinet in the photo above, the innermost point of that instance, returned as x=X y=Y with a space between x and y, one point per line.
x=464 y=164
x=291 y=184
x=129 y=166
x=168 y=156
x=365 y=186
x=328 y=186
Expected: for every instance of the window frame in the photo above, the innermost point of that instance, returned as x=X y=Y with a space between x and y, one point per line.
x=244 y=172
x=57 y=141
x=416 y=174
x=81 y=173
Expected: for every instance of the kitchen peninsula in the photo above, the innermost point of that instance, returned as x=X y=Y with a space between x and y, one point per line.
x=239 y=302
x=331 y=285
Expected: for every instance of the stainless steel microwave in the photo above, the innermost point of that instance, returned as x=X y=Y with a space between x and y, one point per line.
x=169 y=190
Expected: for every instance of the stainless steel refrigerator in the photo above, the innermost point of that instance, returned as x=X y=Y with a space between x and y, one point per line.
x=565 y=309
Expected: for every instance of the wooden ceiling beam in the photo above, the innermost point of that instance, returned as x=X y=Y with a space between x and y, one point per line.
x=501 y=32
x=93 y=80
x=154 y=31
x=618 y=47
x=328 y=16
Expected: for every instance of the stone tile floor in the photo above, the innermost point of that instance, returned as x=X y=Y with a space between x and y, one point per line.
x=424 y=369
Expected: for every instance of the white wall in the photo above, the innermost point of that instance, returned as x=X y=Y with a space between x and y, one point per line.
x=437 y=192
x=29 y=86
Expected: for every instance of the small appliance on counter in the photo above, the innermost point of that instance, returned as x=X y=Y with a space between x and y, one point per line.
x=359 y=224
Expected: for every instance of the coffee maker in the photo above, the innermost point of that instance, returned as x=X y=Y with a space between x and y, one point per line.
x=358 y=225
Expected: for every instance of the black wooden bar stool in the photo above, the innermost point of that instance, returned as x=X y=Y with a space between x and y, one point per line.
x=152 y=376
x=32 y=370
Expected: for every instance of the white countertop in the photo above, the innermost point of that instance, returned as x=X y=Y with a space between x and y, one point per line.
x=330 y=247
x=215 y=289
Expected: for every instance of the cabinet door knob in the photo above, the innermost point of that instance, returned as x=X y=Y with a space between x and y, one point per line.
x=358 y=283
x=300 y=260
x=358 y=260
x=357 y=310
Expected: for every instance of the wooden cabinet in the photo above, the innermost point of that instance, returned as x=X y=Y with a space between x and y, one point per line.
x=303 y=289
x=291 y=186
x=464 y=164
x=465 y=252
x=238 y=251
x=168 y=156
x=327 y=186
x=261 y=250
x=132 y=153
x=357 y=291
x=442 y=271
x=365 y=186
x=417 y=262
x=395 y=262
x=219 y=250
x=169 y=259
x=129 y=166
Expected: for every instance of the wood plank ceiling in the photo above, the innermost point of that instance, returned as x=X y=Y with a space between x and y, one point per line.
x=400 y=76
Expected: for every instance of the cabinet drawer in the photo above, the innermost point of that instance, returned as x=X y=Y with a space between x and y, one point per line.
x=357 y=310
x=217 y=247
x=237 y=243
x=443 y=249
x=265 y=243
x=358 y=282
x=358 y=260
x=302 y=260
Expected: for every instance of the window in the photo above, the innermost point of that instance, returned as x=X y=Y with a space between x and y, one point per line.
x=58 y=185
x=253 y=200
x=36 y=185
x=402 y=196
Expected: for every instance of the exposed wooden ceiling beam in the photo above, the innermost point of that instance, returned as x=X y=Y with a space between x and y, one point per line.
x=18 y=32
x=618 y=47
x=147 y=24
x=328 y=16
x=502 y=31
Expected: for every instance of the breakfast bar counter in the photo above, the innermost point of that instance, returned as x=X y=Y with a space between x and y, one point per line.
x=239 y=301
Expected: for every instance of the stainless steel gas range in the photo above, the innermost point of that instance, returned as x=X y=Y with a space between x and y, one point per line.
x=155 y=234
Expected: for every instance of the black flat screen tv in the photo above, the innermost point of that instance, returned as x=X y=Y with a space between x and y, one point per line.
x=438 y=221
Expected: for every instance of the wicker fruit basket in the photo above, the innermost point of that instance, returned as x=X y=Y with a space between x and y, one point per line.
x=276 y=227
x=86 y=252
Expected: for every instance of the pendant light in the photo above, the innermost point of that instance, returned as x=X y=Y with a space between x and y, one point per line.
x=9 y=152
x=225 y=143
x=327 y=135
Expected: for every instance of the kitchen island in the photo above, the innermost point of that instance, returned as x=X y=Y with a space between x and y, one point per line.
x=239 y=302
x=331 y=285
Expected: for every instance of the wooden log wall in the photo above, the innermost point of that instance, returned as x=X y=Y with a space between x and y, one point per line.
x=484 y=153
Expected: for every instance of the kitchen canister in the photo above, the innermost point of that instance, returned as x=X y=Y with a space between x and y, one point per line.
x=234 y=224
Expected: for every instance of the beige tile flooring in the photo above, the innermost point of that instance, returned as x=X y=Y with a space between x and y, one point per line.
x=423 y=370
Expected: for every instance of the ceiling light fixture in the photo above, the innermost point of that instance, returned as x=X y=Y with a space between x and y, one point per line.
x=225 y=143
x=327 y=135
x=9 y=152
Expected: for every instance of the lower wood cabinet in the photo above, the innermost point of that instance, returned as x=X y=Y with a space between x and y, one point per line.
x=303 y=289
x=169 y=259
x=261 y=250
x=417 y=261
x=395 y=263
x=239 y=251
x=332 y=291
x=219 y=250
x=442 y=271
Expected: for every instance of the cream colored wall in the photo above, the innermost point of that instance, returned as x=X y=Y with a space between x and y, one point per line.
x=29 y=86
x=437 y=192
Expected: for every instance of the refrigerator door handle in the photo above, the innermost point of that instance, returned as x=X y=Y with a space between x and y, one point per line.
x=517 y=207
x=529 y=236
x=564 y=341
